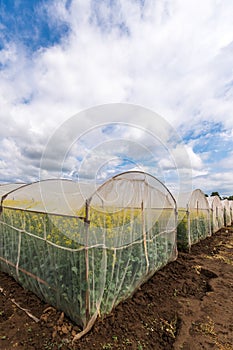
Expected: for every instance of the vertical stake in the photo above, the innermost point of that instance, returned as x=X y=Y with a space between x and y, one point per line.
x=86 y=225
x=189 y=227
x=144 y=237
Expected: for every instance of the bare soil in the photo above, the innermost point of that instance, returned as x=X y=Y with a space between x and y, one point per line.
x=187 y=305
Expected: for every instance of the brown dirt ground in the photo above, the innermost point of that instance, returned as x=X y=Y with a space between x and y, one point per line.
x=187 y=305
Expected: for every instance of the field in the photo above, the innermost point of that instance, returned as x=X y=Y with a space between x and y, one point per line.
x=186 y=305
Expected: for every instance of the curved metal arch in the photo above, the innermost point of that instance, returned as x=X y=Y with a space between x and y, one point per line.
x=133 y=172
x=88 y=200
x=198 y=190
x=33 y=183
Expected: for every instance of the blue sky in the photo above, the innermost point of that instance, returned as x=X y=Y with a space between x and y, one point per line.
x=27 y=22
x=58 y=58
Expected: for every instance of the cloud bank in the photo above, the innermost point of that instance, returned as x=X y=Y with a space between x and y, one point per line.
x=173 y=57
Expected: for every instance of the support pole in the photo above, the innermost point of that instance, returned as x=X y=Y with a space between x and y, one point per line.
x=144 y=237
x=86 y=224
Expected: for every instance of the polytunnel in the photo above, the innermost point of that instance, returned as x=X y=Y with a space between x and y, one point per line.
x=227 y=212
x=6 y=188
x=193 y=218
x=85 y=248
x=217 y=213
x=231 y=210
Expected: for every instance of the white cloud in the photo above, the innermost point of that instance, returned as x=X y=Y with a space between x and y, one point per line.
x=195 y=159
x=174 y=57
x=220 y=182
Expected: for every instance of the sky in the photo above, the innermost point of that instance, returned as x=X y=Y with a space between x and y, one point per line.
x=173 y=59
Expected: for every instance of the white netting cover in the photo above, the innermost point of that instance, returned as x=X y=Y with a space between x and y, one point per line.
x=231 y=210
x=6 y=188
x=227 y=212
x=82 y=252
x=217 y=213
x=62 y=197
x=193 y=218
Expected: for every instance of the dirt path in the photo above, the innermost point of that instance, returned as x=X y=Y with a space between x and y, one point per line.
x=187 y=305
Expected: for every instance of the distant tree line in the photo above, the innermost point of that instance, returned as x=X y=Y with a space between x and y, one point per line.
x=230 y=198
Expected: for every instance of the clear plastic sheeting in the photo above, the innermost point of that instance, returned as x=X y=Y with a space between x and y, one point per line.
x=227 y=212
x=86 y=253
x=217 y=213
x=193 y=218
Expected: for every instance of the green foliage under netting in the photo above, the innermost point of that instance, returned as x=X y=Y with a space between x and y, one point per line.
x=183 y=234
x=192 y=228
x=47 y=255
x=199 y=228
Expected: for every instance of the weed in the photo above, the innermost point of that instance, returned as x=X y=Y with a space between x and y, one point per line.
x=140 y=346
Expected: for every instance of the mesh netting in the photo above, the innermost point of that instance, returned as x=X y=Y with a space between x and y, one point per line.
x=217 y=214
x=82 y=252
x=58 y=197
x=193 y=219
x=6 y=188
x=231 y=210
x=227 y=212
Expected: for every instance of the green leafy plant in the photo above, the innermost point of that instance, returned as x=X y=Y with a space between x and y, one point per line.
x=82 y=268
